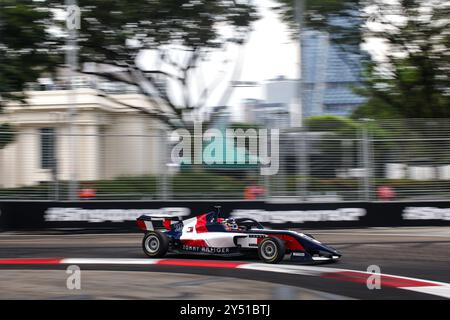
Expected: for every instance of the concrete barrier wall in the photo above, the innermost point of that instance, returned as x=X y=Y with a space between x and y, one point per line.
x=120 y=216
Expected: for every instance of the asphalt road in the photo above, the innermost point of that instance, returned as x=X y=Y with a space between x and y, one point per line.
x=422 y=253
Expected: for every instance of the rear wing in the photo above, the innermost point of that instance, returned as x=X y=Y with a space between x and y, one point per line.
x=150 y=223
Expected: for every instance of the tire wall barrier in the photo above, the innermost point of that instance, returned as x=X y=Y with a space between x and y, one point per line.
x=120 y=216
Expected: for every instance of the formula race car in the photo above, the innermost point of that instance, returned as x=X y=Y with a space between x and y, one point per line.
x=208 y=234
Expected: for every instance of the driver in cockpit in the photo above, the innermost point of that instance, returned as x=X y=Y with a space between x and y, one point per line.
x=230 y=224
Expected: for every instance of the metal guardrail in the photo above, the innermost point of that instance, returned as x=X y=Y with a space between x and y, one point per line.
x=344 y=161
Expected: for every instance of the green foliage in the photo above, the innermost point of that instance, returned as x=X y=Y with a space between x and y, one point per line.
x=194 y=184
x=330 y=149
x=25 y=45
x=32 y=42
x=414 y=80
x=115 y=32
x=183 y=183
x=129 y=186
x=340 y=143
x=341 y=126
x=106 y=25
x=187 y=185
x=208 y=185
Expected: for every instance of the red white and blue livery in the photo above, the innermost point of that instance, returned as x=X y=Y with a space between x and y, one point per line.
x=208 y=234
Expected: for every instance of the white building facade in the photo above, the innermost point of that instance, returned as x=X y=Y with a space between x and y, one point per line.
x=108 y=140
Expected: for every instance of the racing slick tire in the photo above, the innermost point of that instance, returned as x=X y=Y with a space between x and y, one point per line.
x=155 y=244
x=271 y=250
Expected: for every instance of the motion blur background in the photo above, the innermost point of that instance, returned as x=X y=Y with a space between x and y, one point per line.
x=358 y=89
x=91 y=92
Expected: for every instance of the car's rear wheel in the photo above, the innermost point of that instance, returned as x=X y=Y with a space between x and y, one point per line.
x=271 y=250
x=155 y=244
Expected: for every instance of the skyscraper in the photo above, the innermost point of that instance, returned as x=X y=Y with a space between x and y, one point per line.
x=329 y=73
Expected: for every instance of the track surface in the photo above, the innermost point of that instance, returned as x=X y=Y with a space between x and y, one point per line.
x=422 y=253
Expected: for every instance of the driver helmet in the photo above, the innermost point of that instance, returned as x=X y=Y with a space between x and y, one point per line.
x=230 y=224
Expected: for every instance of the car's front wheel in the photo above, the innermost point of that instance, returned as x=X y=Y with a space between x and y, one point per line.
x=271 y=250
x=155 y=244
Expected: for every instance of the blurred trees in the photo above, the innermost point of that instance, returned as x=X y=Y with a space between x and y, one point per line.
x=408 y=78
x=24 y=45
x=413 y=80
x=24 y=50
x=333 y=146
x=339 y=144
x=156 y=45
x=176 y=36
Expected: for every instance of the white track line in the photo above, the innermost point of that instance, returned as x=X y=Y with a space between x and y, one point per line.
x=110 y=261
x=442 y=291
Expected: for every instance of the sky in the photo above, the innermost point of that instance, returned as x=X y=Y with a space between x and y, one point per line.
x=270 y=51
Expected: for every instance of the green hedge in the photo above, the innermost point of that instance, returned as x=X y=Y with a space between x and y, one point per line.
x=201 y=185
